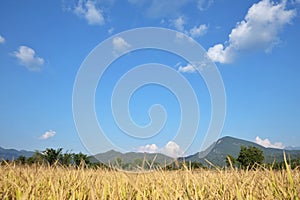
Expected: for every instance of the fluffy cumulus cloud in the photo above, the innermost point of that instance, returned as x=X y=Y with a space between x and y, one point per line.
x=27 y=57
x=120 y=45
x=89 y=11
x=47 y=135
x=196 y=31
x=149 y=148
x=170 y=149
x=266 y=143
x=2 y=40
x=258 y=31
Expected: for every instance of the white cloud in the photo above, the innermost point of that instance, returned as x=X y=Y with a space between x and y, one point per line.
x=219 y=53
x=27 y=57
x=179 y=23
x=204 y=4
x=111 y=30
x=165 y=8
x=258 y=31
x=120 y=45
x=191 y=67
x=266 y=143
x=198 y=31
x=87 y=9
x=47 y=134
x=149 y=148
x=168 y=8
x=187 y=68
x=2 y=39
x=171 y=149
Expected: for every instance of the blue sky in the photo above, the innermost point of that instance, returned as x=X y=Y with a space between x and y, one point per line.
x=254 y=44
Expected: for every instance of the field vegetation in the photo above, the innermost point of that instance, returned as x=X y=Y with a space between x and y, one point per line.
x=40 y=181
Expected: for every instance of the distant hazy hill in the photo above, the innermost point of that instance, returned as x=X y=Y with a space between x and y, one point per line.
x=217 y=152
x=10 y=154
x=292 y=148
x=130 y=157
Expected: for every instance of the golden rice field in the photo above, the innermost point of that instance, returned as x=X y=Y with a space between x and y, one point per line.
x=44 y=182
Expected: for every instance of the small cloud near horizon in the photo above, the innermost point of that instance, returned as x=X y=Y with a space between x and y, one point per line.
x=267 y=143
x=47 y=135
x=170 y=149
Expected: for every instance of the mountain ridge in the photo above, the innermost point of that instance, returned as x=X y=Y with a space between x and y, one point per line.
x=11 y=154
x=231 y=146
x=216 y=153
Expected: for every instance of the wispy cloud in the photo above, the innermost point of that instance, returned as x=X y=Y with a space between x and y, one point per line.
x=89 y=11
x=47 y=135
x=111 y=30
x=197 y=31
x=2 y=39
x=179 y=23
x=191 y=67
x=188 y=68
x=27 y=57
x=258 y=31
x=169 y=8
x=170 y=149
x=120 y=45
x=204 y=4
x=267 y=143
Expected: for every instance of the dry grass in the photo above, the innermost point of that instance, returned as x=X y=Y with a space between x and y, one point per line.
x=42 y=182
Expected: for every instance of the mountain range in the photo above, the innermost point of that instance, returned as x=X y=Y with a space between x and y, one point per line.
x=218 y=151
x=110 y=157
x=11 y=154
x=215 y=154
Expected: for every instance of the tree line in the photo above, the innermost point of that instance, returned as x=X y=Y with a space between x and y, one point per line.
x=52 y=156
x=251 y=157
x=248 y=158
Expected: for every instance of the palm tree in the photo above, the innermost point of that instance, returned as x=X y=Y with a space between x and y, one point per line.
x=52 y=155
x=66 y=158
x=80 y=158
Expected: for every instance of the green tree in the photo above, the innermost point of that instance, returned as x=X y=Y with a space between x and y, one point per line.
x=52 y=155
x=21 y=160
x=248 y=156
x=66 y=159
x=80 y=158
x=37 y=157
x=138 y=162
